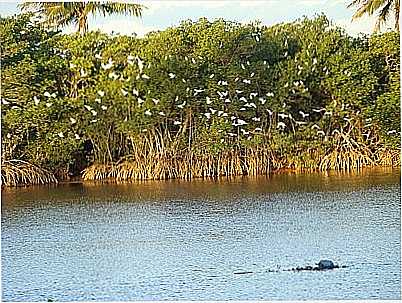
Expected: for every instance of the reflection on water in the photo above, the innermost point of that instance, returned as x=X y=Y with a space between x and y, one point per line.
x=185 y=240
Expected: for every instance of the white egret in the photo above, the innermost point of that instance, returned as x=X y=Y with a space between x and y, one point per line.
x=77 y=136
x=140 y=64
x=36 y=100
x=136 y=92
x=181 y=106
x=262 y=100
x=269 y=94
x=161 y=114
x=391 y=132
x=101 y=93
x=140 y=101
x=197 y=91
x=227 y=100
x=73 y=121
x=94 y=112
x=256 y=119
x=243 y=99
x=47 y=94
x=238 y=91
x=209 y=101
x=236 y=79
x=108 y=65
x=83 y=73
x=208 y=115
x=241 y=122
x=281 y=125
x=304 y=115
x=176 y=122
x=148 y=112
x=144 y=76
x=172 y=76
x=283 y=116
x=156 y=101
x=98 y=56
x=211 y=76
x=49 y=104
x=124 y=92
x=60 y=134
x=252 y=75
x=247 y=81
x=270 y=112
x=213 y=111
x=318 y=110
x=88 y=107
x=242 y=66
x=103 y=107
x=97 y=100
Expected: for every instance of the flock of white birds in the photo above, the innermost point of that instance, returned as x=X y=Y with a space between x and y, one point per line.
x=250 y=103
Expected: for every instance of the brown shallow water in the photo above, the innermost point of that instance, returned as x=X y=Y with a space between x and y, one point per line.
x=186 y=240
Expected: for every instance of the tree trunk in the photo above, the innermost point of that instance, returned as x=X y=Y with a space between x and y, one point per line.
x=397 y=9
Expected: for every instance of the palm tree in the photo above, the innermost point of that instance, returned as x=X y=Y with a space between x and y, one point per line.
x=386 y=7
x=59 y=14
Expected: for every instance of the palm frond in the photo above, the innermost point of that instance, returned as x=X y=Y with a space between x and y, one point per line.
x=110 y=7
x=383 y=16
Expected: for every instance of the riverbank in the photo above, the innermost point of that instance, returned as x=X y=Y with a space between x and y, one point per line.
x=20 y=173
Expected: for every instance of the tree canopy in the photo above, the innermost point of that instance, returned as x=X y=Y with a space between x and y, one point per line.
x=200 y=99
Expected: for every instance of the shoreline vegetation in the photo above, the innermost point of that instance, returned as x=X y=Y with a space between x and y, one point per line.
x=200 y=100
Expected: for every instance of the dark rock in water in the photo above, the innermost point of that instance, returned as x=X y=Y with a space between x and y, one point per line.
x=326 y=264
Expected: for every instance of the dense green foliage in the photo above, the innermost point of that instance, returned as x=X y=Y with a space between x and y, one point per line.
x=297 y=90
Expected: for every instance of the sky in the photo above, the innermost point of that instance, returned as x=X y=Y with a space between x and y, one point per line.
x=163 y=14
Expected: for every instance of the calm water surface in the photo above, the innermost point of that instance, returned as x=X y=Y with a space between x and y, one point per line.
x=187 y=240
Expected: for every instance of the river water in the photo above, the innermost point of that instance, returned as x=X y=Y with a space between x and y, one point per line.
x=204 y=240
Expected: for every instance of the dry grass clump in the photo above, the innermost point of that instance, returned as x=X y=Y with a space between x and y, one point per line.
x=389 y=157
x=183 y=165
x=348 y=154
x=18 y=172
